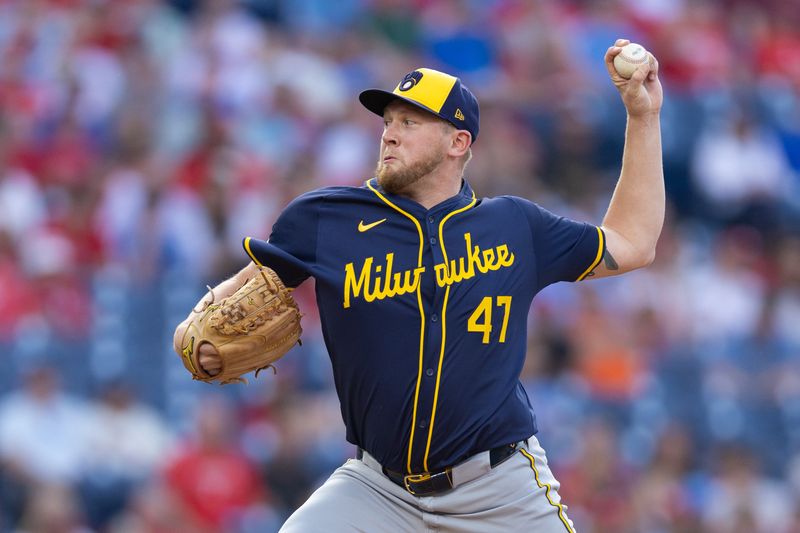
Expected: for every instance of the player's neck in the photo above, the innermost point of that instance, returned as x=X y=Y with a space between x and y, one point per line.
x=434 y=188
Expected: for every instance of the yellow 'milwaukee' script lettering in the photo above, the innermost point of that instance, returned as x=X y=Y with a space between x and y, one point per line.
x=377 y=282
x=476 y=261
x=378 y=285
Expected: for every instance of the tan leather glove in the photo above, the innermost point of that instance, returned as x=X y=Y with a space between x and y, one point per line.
x=250 y=329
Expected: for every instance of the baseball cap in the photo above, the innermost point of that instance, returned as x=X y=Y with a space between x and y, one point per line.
x=439 y=93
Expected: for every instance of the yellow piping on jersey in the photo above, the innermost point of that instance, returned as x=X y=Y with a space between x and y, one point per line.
x=444 y=328
x=250 y=252
x=547 y=488
x=600 y=248
x=421 y=317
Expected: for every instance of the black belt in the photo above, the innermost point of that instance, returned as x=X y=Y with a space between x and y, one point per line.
x=435 y=482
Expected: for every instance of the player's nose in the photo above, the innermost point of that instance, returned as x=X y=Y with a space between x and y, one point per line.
x=389 y=135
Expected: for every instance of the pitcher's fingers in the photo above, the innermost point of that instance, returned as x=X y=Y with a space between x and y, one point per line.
x=653 y=74
x=211 y=364
x=210 y=360
x=611 y=53
x=639 y=75
x=207 y=348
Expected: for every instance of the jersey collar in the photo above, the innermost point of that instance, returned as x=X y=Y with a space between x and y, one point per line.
x=464 y=197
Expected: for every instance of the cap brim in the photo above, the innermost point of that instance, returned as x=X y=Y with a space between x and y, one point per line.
x=376 y=101
x=291 y=270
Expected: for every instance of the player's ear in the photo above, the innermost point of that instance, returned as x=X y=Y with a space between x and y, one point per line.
x=460 y=142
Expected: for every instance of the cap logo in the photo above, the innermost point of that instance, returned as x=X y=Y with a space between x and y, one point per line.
x=410 y=80
x=459 y=114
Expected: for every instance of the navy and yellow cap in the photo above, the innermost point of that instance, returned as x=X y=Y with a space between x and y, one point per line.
x=441 y=94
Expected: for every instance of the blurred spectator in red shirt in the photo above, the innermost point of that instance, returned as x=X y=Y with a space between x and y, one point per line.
x=702 y=59
x=213 y=478
x=17 y=293
x=51 y=259
x=777 y=55
x=68 y=157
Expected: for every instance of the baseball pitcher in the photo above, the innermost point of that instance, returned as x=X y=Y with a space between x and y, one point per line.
x=424 y=291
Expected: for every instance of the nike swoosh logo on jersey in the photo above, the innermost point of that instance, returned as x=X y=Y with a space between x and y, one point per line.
x=366 y=227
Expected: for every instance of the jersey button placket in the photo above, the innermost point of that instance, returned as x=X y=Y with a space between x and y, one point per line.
x=433 y=339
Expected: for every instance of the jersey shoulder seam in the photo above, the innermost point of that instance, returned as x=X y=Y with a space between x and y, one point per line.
x=515 y=201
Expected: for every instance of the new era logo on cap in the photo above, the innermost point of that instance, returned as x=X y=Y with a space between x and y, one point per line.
x=441 y=94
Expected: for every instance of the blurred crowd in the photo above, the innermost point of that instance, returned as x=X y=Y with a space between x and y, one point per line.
x=140 y=140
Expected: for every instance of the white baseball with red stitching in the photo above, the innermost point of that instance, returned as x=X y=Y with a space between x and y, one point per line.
x=629 y=59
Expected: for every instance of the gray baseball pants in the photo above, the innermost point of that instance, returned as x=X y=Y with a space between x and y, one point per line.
x=520 y=494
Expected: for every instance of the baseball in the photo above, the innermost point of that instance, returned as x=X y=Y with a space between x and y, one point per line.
x=629 y=59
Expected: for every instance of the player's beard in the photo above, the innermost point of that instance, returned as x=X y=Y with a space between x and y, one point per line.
x=396 y=180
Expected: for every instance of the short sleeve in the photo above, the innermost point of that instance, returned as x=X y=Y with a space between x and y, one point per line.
x=565 y=250
x=291 y=250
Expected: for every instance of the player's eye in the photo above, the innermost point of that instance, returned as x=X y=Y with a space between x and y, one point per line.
x=408 y=122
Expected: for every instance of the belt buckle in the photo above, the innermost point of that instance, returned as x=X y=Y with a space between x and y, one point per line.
x=411 y=479
x=414 y=478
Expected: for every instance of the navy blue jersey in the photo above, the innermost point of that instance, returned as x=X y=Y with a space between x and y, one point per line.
x=424 y=311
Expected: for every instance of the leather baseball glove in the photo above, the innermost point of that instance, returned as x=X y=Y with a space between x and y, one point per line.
x=251 y=329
